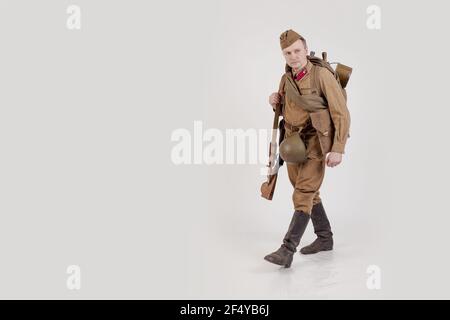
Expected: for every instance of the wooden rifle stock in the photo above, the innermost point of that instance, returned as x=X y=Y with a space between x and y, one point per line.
x=268 y=187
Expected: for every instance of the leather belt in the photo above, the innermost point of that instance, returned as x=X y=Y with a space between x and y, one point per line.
x=292 y=128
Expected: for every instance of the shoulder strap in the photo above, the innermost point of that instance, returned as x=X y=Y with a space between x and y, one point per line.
x=315 y=79
x=282 y=92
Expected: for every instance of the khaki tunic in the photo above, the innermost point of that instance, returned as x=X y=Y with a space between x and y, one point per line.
x=330 y=89
x=307 y=177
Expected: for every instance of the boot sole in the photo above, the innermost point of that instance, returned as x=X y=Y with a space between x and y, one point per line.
x=286 y=265
x=314 y=252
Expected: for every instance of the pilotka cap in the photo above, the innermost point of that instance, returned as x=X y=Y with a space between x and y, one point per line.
x=289 y=37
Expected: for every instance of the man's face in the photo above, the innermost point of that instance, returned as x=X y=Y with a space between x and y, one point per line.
x=295 y=55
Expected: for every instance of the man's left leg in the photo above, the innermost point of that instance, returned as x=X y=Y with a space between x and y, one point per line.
x=322 y=228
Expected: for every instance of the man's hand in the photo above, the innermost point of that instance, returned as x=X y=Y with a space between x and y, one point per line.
x=334 y=159
x=274 y=99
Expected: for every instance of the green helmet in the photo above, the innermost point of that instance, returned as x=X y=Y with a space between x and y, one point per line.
x=292 y=149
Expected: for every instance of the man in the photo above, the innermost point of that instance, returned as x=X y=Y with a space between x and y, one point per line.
x=324 y=134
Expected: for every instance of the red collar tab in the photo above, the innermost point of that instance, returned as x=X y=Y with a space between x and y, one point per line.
x=301 y=74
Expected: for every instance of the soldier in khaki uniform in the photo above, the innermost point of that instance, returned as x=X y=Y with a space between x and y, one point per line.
x=324 y=134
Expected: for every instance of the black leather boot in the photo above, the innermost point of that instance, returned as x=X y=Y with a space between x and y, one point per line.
x=322 y=229
x=284 y=255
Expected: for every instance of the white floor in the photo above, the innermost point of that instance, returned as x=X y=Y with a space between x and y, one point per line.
x=237 y=270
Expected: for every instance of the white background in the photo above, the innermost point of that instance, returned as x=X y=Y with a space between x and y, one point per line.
x=86 y=176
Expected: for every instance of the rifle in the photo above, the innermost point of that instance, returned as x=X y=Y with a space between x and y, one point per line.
x=268 y=187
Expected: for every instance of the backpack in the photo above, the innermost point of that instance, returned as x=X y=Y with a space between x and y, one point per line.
x=342 y=73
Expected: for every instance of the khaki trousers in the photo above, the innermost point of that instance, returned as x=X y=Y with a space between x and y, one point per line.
x=307 y=177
